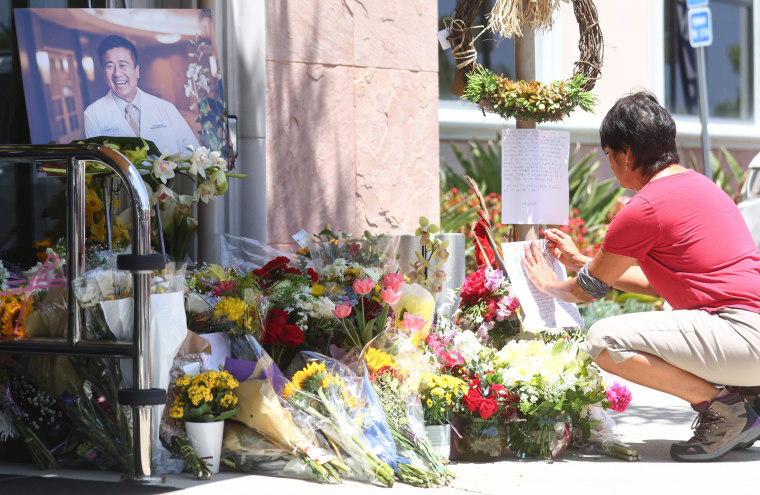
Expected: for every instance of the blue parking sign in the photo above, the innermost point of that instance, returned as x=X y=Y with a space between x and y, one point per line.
x=700 y=27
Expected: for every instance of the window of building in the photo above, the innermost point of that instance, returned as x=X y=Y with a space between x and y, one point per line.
x=497 y=55
x=728 y=61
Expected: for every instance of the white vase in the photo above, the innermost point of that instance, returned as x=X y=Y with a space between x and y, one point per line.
x=207 y=441
x=440 y=439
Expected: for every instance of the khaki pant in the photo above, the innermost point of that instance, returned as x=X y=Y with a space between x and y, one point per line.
x=722 y=348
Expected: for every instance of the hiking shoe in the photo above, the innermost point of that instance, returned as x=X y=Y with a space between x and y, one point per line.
x=721 y=426
x=751 y=396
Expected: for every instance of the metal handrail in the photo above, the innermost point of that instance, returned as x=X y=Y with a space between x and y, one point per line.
x=139 y=349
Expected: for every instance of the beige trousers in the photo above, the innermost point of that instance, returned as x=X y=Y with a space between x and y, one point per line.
x=722 y=348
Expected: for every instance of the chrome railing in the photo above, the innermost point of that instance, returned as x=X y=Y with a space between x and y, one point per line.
x=141 y=263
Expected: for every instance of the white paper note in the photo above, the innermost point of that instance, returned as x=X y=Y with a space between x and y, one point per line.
x=541 y=310
x=534 y=180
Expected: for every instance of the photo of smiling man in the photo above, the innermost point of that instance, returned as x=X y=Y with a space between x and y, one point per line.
x=126 y=110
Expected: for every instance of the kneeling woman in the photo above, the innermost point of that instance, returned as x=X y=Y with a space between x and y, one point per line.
x=694 y=250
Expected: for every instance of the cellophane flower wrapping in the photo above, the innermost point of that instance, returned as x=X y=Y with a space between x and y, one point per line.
x=375 y=253
x=297 y=452
x=105 y=295
x=327 y=394
x=396 y=366
x=33 y=304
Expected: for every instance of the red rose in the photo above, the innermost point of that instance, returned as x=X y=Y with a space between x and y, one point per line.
x=472 y=400
x=313 y=276
x=276 y=321
x=474 y=289
x=291 y=335
x=271 y=334
x=487 y=408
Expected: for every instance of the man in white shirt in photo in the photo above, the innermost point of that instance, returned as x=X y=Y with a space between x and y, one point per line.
x=128 y=111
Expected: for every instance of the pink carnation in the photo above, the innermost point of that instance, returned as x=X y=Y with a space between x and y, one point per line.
x=618 y=396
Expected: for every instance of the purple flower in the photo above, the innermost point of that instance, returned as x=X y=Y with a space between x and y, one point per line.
x=494 y=278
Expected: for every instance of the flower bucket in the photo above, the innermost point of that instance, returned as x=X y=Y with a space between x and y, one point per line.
x=477 y=439
x=538 y=438
x=207 y=441
x=440 y=439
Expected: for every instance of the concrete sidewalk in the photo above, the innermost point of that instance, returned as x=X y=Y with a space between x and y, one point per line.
x=652 y=422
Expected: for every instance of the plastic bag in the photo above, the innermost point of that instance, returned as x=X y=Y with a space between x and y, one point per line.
x=327 y=394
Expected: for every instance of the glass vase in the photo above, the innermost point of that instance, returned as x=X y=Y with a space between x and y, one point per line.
x=538 y=438
x=477 y=439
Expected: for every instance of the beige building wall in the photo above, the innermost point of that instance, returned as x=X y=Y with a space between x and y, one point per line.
x=351 y=116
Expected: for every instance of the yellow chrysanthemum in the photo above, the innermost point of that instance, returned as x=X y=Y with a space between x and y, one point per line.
x=377 y=359
x=317 y=290
x=351 y=273
x=231 y=307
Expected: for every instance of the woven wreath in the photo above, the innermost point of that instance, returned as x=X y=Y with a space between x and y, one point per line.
x=521 y=99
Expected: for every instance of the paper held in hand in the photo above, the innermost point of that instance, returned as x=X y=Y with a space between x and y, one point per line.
x=541 y=310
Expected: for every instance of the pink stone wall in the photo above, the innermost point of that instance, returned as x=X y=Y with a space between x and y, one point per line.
x=351 y=117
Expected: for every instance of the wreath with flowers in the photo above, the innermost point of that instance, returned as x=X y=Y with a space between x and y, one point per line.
x=525 y=100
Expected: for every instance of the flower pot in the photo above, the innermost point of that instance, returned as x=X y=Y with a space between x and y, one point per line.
x=538 y=438
x=207 y=441
x=440 y=439
x=477 y=439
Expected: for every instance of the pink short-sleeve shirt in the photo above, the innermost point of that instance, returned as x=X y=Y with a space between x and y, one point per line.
x=691 y=242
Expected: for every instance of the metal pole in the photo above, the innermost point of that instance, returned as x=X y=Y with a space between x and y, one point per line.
x=703 y=109
x=525 y=70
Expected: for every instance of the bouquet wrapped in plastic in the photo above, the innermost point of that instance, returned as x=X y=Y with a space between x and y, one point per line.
x=273 y=435
x=396 y=366
x=330 y=398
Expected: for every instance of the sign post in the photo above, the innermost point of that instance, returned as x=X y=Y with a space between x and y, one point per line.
x=701 y=36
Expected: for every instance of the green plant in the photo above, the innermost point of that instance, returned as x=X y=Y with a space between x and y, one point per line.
x=483 y=164
x=594 y=199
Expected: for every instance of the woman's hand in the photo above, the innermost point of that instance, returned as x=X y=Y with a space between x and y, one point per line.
x=537 y=268
x=564 y=249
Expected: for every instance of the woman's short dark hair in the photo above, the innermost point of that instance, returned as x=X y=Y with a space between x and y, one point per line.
x=639 y=123
x=115 y=41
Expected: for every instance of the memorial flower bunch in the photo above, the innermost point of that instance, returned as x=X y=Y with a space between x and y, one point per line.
x=553 y=379
x=226 y=300
x=325 y=398
x=488 y=306
x=393 y=379
x=366 y=306
x=205 y=169
x=372 y=254
x=441 y=395
x=206 y=397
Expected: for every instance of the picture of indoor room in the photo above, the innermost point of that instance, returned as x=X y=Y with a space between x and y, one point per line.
x=83 y=67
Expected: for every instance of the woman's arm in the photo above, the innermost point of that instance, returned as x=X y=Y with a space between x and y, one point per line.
x=563 y=248
x=605 y=267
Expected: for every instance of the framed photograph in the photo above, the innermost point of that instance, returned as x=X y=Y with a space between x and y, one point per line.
x=109 y=72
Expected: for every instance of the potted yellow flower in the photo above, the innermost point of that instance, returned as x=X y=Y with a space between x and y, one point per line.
x=440 y=396
x=204 y=401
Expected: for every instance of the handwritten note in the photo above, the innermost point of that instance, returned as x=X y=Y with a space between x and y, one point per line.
x=534 y=180
x=541 y=310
